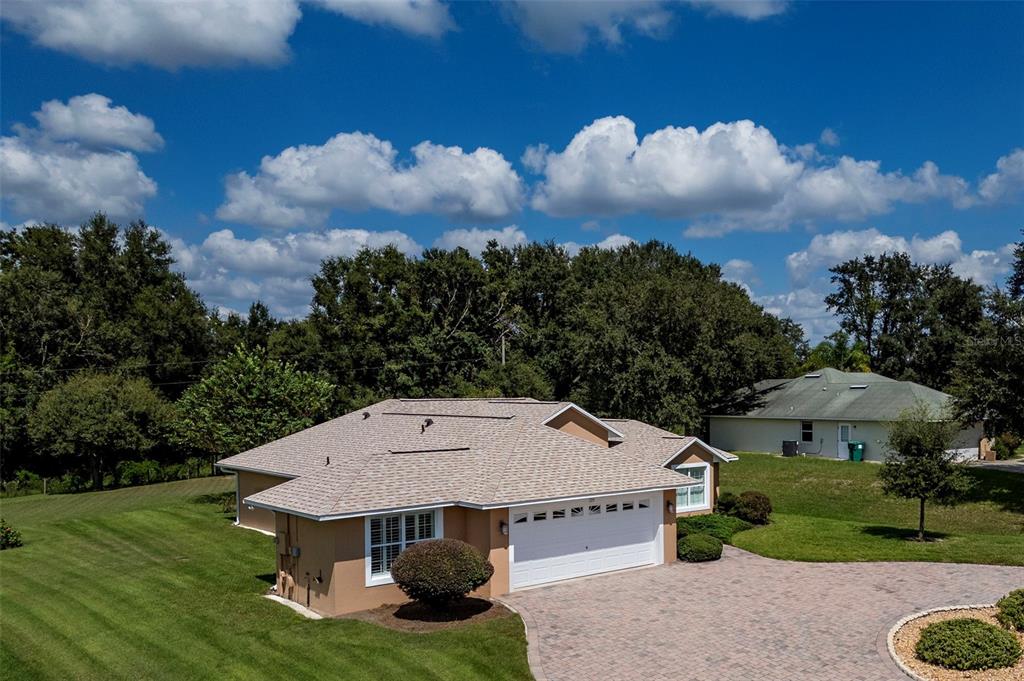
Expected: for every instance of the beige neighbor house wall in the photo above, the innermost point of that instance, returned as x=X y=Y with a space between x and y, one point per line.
x=249 y=484
x=766 y=435
x=697 y=454
x=572 y=422
x=329 y=574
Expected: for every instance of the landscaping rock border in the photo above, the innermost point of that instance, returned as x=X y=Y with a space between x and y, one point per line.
x=891 y=638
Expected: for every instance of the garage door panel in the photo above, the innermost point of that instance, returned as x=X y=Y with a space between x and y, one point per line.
x=550 y=542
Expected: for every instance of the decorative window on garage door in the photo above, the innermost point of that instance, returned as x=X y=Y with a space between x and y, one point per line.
x=697 y=496
x=389 y=535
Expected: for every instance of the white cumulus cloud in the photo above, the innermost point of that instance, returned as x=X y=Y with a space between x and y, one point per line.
x=429 y=18
x=475 y=239
x=752 y=10
x=75 y=162
x=610 y=242
x=231 y=272
x=825 y=250
x=92 y=121
x=829 y=137
x=727 y=177
x=168 y=35
x=1007 y=182
x=357 y=171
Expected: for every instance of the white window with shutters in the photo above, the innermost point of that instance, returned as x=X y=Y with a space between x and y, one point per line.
x=389 y=535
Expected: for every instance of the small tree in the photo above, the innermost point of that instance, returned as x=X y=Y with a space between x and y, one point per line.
x=249 y=400
x=99 y=419
x=920 y=464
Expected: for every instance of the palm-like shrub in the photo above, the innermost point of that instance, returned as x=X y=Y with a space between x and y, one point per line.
x=966 y=643
x=439 y=572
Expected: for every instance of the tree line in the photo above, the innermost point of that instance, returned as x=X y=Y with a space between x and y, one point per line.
x=113 y=371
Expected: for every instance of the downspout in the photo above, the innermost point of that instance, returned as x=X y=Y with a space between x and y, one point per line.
x=238 y=501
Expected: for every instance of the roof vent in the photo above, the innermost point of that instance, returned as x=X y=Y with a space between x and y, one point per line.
x=859 y=386
x=426 y=424
x=812 y=375
x=366 y=415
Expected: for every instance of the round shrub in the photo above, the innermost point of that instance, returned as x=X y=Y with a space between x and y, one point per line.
x=726 y=503
x=1011 y=610
x=966 y=643
x=439 y=572
x=10 y=538
x=754 y=507
x=697 y=548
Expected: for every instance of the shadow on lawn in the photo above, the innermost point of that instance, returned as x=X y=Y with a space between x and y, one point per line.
x=1000 y=487
x=901 y=533
x=269 y=578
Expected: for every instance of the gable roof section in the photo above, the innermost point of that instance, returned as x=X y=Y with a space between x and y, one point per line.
x=830 y=394
x=475 y=453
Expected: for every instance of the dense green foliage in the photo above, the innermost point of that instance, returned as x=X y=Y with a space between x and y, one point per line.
x=920 y=463
x=753 y=507
x=837 y=351
x=144 y=583
x=721 y=527
x=10 y=538
x=827 y=510
x=248 y=400
x=698 y=548
x=1011 y=610
x=94 y=420
x=966 y=643
x=910 y=318
x=642 y=332
x=439 y=572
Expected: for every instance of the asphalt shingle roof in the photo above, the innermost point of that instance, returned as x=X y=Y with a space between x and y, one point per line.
x=830 y=394
x=487 y=452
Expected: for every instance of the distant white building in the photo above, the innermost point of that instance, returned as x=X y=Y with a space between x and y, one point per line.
x=824 y=410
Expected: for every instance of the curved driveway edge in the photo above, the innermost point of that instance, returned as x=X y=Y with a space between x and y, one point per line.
x=742 y=617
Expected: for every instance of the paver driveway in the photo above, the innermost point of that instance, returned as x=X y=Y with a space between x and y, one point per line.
x=742 y=617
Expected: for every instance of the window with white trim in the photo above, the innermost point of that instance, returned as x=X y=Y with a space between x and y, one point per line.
x=696 y=496
x=392 y=534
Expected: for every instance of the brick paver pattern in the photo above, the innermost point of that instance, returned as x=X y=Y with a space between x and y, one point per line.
x=742 y=617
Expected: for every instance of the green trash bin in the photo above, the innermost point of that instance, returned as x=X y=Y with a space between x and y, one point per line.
x=856 y=448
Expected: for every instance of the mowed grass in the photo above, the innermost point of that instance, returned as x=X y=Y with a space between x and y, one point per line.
x=146 y=583
x=835 y=511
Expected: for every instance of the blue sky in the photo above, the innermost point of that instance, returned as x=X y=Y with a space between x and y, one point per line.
x=772 y=138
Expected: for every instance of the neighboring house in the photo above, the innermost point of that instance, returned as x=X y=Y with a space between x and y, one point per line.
x=824 y=410
x=544 y=489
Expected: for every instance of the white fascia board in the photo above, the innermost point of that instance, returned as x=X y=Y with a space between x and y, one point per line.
x=343 y=516
x=723 y=456
x=586 y=413
x=578 y=497
x=246 y=469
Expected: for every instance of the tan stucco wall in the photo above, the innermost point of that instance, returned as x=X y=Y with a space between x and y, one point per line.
x=335 y=551
x=668 y=521
x=575 y=423
x=249 y=484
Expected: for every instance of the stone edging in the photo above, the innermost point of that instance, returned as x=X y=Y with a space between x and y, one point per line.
x=909 y=618
x=532 y=642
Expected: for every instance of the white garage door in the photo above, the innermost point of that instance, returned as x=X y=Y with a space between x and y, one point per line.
x=571 y=539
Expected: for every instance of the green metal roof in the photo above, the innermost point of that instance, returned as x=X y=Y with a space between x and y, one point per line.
x=830 y=394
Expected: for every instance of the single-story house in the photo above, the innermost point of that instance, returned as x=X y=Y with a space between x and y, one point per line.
x=824 y=410
x=545 y=490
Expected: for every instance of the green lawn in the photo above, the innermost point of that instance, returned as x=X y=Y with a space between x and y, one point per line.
x=835 y=511
x=146 y=583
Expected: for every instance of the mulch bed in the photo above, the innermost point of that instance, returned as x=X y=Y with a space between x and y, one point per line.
x=906 y=639
x=417 y=618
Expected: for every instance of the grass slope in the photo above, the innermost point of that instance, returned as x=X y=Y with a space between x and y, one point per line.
x=145 y=583
x=835 y=511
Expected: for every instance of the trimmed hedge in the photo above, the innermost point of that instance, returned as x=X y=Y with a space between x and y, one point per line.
x=1011 y=610
x=10 y=538
x=697 y=548
x=439 y=572
x=721 y=527
x=726 y=504
x=967 y=643
x=754 y=507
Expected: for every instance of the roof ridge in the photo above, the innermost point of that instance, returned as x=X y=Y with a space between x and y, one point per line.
x=508 y=458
